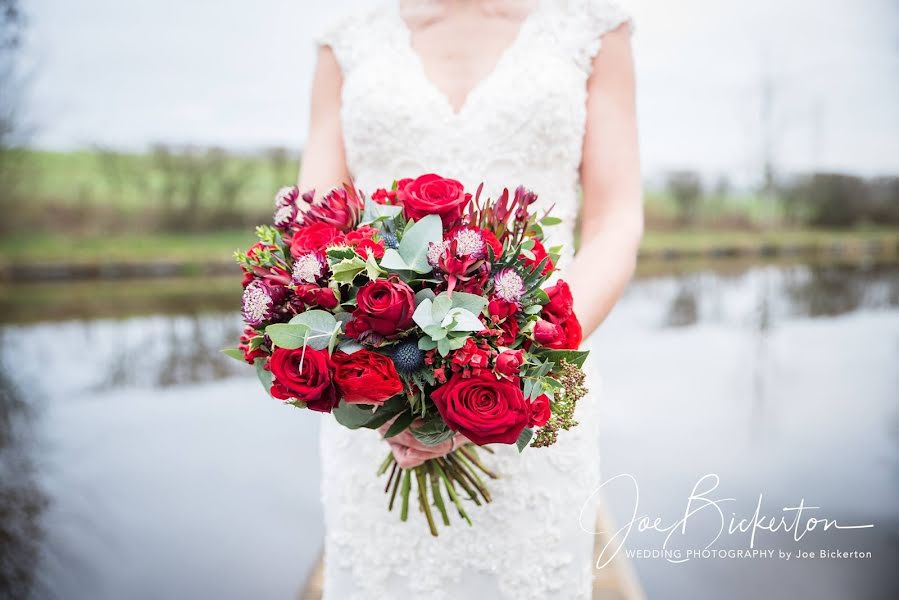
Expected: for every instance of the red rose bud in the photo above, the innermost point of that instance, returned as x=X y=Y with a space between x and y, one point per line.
x=484 y=409
x=384 y=307
x=315 y=237
x=366 y=377
x=312 y=295
x=433 y=195
x=561 y=303
x=340 y=208
x=303 y=374
x=548 y=334
x=509 y=362
x=559 y=311
x=539 y=411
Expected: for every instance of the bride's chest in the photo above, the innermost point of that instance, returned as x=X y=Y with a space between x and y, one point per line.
x=530 y=108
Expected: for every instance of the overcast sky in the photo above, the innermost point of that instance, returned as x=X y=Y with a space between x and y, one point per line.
x=235 y=73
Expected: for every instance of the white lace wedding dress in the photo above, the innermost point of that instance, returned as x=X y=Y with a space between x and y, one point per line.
x=523 y=124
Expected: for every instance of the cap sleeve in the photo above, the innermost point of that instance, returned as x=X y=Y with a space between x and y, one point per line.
x=344 y=35
x=585 y=22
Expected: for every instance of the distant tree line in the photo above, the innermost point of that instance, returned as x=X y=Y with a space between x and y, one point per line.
x=813 y=199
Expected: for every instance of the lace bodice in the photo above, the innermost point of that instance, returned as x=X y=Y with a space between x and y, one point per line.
x=523 y=124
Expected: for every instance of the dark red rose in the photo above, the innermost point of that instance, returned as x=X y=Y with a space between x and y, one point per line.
x=484 y=409
x=539 y=254
x=314 y=237
x=384 y=307
x=565 y=333
x=370 y=247
x=310 y=384
x=539 y=411
x=509 y=362
x=433 y=195
x=312 y=295
x=366 y=377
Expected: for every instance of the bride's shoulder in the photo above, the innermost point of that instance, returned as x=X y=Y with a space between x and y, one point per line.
x=348 y=32
x=578 y=26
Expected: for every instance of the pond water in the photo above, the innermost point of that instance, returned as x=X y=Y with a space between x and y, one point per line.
x=136 y=462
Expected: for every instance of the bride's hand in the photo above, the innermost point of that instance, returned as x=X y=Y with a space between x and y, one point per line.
x=410 y=453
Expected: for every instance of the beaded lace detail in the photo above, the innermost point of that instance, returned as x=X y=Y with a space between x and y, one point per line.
x=523 y=124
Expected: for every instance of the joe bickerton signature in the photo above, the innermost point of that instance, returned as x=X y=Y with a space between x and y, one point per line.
x=793 y=520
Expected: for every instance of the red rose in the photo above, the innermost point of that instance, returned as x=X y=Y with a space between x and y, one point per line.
x=366 y=377
x=484 y=409
x=561 y=330
x=313 y=238
x=433 y=195
x=312 y=295
x=310 y=384
x=561 y=303
x=495 y=244
x=384 y=307
x=509 y=362
x=539 y=411
x=539 y=254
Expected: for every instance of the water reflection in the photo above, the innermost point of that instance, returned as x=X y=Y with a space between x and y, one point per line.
x=21 y=498
x=139 y=462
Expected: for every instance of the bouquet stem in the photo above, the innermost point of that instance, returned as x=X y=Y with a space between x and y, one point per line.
x=458 y=468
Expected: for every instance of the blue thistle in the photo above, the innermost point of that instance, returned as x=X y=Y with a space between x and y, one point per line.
x=408 y=357
x=390 y=240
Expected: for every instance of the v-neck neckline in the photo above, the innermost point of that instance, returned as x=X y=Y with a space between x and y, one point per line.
x=472 y=94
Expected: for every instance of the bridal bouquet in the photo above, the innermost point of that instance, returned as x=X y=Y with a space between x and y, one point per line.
x=417 y=310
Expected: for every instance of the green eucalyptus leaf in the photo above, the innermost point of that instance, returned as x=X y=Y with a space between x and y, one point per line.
x=470 y=302
x=440 y=307
x=424 y=294
x=265 y=377
x=392 y=261
x=417 y=240
x=524 y=438
x=234 y=353
x=459 y=319
x=321 y=326
x=422 y=315
x=288 y=335
x=443 y=346
x=426 y=344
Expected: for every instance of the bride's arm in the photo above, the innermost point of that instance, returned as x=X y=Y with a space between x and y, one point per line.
x=612 y=213
x=323 y=165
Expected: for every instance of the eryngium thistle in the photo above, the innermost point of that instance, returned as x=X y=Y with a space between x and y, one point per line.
x=408 y=357
x=390 y=240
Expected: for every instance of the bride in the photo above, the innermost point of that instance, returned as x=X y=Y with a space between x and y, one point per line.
x=539 y=93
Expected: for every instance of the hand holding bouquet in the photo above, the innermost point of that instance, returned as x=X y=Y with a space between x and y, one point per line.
x=418 y=312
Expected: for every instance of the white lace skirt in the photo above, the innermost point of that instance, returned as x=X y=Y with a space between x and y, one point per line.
x=533 y=541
